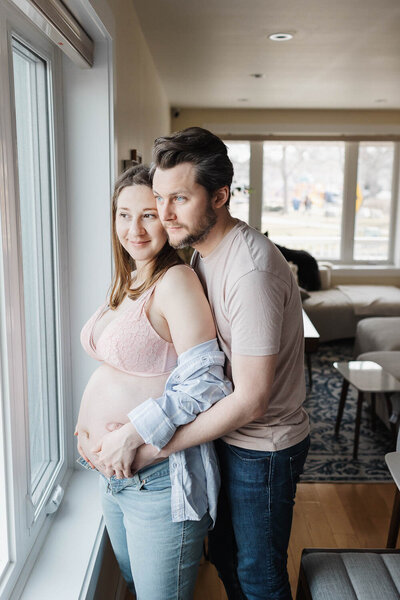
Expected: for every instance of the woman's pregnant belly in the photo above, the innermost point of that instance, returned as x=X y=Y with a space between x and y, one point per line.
x=108 y=398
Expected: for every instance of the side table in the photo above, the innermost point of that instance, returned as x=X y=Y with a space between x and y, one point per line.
x=365 y=376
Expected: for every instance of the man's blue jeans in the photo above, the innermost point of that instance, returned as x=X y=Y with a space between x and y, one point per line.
x=249 y=543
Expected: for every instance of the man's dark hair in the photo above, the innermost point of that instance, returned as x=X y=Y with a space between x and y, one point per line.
x=206 y=151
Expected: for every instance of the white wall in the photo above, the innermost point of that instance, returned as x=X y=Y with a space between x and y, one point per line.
x=89 y=173
x=142 y=109
x=117 y=105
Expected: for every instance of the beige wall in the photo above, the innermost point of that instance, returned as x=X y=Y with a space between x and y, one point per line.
x=142 y=109
x=258 y=121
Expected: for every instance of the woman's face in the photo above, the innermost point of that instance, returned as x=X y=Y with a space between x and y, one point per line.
x=138 y=227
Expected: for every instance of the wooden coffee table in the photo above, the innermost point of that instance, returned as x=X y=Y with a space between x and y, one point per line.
x=365 y=376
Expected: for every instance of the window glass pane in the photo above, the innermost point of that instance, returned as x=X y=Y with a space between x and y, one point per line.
x=373 y=204
x=239 y=153
x=35 y=194
x=302 y=195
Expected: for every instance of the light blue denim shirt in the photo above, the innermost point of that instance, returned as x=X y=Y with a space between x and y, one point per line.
x=197 y=382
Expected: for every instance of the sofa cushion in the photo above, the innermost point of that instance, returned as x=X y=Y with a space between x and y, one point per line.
x=373 y=300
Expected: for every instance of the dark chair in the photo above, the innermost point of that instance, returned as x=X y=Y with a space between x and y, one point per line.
x=349 y=574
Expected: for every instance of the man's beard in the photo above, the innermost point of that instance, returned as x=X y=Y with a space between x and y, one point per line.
x=199 y=234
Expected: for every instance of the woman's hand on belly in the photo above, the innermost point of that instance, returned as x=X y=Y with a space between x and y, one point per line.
x=116 y=451
x=82 y=435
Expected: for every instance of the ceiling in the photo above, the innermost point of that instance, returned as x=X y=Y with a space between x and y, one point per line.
x=345 y=54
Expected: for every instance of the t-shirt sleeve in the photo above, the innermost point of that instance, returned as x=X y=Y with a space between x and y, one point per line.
x=255 y=307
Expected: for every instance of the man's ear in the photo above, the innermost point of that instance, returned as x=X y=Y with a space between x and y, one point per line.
x=221 y=196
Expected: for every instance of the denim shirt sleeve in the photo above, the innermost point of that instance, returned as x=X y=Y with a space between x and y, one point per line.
x=196 y=383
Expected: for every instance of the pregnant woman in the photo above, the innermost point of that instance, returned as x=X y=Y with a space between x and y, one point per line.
x=156 y=340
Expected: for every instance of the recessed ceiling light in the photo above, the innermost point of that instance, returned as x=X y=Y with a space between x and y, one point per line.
x=243 y=99
x=257 y=75
x=380 y=100
x=280 y=37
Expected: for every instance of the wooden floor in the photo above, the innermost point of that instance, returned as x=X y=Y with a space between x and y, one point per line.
x=344 y=515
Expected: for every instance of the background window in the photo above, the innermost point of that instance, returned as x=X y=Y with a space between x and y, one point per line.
x=239 y=153
x=374 y=199
x=303 y=195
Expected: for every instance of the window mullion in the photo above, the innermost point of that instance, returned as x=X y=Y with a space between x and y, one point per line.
x=394 y=252
x=256 y=184
x=349 y=202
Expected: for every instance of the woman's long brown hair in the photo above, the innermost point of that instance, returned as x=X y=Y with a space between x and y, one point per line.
x=123 y=262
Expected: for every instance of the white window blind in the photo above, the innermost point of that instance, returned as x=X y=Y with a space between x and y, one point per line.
x=59 y=24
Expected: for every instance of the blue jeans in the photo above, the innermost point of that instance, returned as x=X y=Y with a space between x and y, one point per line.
x=249 y=543
x=158 y=558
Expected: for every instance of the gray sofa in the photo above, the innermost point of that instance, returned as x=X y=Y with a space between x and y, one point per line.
x=335 y=312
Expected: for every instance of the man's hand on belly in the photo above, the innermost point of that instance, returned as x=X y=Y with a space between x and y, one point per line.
x=146 y=455
x=116 y=451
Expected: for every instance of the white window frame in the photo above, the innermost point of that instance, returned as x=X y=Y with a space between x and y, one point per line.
x=349 y=193
x=26 y=528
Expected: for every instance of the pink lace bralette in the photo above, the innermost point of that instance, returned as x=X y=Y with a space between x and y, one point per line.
x=129 y=342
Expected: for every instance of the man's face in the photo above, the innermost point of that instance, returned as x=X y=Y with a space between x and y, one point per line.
x=184 y=206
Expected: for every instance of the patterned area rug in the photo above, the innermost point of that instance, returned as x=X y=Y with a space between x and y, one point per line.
x=330 y=459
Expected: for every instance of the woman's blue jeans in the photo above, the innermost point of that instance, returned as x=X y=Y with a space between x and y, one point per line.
x=249 y=543
x=158 y=558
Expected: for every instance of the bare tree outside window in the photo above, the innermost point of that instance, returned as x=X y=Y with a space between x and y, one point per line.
x=302 y=207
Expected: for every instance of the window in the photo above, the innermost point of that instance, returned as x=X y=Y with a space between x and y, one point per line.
x=373 y=201
x=239 y=153
x=302 y=195
x=335 y=199
x=32 y=81
x=32 y=422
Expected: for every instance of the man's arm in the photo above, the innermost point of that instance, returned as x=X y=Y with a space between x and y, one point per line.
x=195 y=385
x=253 y=377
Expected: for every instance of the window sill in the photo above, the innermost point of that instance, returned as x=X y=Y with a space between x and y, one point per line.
x=68 y=563
x=363 y=270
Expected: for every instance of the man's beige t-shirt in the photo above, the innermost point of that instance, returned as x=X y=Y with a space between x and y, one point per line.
x=256 y=305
